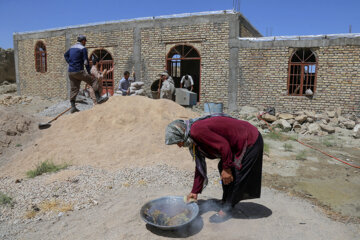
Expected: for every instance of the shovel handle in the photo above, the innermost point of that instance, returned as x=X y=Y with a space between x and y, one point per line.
x=59 y=115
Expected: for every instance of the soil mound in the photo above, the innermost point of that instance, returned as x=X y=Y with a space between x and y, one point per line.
x=123 y=132
x=15 y=129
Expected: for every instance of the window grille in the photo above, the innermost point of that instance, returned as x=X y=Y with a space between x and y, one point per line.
x=302 y=73
x=40 y=57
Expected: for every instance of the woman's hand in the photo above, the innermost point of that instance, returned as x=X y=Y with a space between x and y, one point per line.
x=226 y=176
x=191 y=196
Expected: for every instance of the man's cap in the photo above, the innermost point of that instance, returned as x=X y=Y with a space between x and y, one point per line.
x=81 y=38
x=163 y=74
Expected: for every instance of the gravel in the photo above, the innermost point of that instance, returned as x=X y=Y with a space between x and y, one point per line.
x=82 y=191
x=82 y=103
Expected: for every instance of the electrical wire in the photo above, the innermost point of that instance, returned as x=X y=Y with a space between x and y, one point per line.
x=354 y=166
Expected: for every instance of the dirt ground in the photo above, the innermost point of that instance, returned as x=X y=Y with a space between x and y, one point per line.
x=306 y=194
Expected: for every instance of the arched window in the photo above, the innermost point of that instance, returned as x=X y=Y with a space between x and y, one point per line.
x=40 y=57
x=302 y=73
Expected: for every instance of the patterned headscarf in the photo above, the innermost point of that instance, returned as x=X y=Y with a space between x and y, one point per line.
x=177 y=132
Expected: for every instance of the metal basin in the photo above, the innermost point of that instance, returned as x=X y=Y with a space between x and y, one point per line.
x=169 y=212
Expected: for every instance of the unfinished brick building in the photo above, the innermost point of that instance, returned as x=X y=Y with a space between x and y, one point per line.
x=229 y=60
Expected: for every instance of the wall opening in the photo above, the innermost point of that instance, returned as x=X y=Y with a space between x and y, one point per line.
x=40 y=57
x=105 y=62
x=302 y=73
x=184 y=59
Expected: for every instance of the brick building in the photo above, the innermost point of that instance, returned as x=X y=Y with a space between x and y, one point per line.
x=228 y=58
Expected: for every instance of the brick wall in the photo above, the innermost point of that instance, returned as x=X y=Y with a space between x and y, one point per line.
x=210 y=39
x=264 y=72
x=51 y=83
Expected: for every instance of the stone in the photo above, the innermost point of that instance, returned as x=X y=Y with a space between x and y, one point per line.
x=301 y=118
x=356 y=130
x=269 y=118
x=297 y=113
x=338 y=112
x=327 y=128
x=286 y=116
x=323 y=121
x=331 y=114
x=314 y=128
x=310 y=120
x=342 y=119
x=297 y=127
x=310 y=114
x=349 y=124
x=320 y=116
x=291 y=121
x=283 y=124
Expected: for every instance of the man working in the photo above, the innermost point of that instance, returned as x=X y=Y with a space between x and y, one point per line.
x=187 y=82
x=167 y=89
x=124 y=84
x=77 y=57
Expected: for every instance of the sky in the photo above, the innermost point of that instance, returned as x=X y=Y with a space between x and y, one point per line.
x=269 y=17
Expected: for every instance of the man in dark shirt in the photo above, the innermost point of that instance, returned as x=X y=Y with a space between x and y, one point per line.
x=77 y=57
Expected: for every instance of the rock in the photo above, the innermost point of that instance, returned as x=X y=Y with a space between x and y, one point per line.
x=283 y=124
x=269 y=118
x=291 y=121
x=310 y=114
x=314 y=128
x=310 y=120
x=356 y=134
x=331 y=114
x=327 y=128
x=297 y=127
x=140 y=92
x=349 y=124
x=342 y=119
x=323 y=121
x=338 y=112
x=320 y=116
x=286 y=116
x=334 y=121
x=297 y=113
x=301 y=118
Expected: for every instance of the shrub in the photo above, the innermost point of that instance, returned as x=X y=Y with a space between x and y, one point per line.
x=45 y=167
x=266 y=149
x=288 y=147
x=4 y=199
x=301 y=155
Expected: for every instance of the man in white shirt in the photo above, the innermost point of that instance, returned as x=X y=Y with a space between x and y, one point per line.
x=187 y=82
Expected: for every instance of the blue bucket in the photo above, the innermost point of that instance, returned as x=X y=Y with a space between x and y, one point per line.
x=213 y=108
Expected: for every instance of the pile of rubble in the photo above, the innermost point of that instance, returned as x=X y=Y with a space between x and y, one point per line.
x=310 y=122
x=8 y=100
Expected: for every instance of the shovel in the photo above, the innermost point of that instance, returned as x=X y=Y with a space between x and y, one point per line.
x=48 y=124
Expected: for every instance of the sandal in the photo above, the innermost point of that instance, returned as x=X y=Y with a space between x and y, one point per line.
x=220 y=217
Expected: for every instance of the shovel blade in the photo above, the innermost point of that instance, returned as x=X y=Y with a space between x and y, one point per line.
x=44 y=125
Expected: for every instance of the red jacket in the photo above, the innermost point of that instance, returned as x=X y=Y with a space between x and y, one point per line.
x=221 y=137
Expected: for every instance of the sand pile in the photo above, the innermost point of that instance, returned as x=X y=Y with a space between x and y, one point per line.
x=15 y=128
x=123 y=132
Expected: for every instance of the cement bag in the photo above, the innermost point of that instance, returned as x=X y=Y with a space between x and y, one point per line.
x=140 y=92
x=138 y=85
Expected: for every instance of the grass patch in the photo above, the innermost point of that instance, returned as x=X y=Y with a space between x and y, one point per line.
x=266 y=149
x=53 y=205
x=288 y=147
x=18 y=145
x=329 y=141
x=5 y=199
x=301 y=156
x=45 y=167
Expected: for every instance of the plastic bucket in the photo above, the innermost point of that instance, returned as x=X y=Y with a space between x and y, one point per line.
x=213 y=108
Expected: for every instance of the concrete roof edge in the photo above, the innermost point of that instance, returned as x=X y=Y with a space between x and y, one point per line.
x=181 y=15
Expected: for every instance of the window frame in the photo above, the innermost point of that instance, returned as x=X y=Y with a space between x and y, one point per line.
x=40 y=61
x=304 y=75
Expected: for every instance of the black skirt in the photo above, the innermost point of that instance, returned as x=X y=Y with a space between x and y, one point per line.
x=247 y=180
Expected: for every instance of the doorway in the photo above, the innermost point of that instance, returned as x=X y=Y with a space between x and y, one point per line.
x=105 y=62
x=184 y=59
